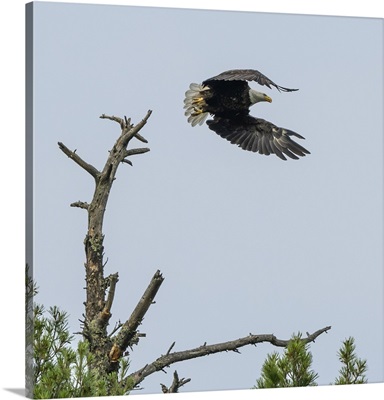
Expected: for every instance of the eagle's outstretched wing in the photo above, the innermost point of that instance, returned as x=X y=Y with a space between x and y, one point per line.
x=247 y=75
x=258 y=135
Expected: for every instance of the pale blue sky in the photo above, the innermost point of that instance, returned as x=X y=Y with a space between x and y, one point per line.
x=246 y=243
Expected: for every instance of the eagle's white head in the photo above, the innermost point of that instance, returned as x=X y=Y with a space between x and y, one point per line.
x=256 y=96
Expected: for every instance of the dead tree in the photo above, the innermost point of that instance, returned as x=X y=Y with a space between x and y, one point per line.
x=109 y=348
x=98 y=304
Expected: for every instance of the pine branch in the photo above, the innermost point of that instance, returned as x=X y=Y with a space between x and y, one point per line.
x=353 y=368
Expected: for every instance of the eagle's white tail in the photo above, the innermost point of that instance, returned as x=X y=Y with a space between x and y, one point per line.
x=193 y=104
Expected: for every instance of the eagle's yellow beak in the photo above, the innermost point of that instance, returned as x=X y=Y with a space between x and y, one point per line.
x=267 y=98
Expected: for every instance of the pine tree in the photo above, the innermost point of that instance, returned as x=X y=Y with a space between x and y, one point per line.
x=353 y=368
x=290 y=369
x=59 y=371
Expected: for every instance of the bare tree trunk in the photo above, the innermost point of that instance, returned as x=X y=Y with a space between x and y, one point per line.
x=97 y=305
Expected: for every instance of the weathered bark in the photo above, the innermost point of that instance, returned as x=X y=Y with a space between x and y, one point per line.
x=128 y=333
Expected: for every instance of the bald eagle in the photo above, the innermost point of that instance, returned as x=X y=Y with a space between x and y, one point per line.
x=227 y=97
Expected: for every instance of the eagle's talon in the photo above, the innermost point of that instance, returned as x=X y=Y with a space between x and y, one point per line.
x=197 y=100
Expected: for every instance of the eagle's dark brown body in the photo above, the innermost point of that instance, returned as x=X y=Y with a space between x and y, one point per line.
x=232 y=98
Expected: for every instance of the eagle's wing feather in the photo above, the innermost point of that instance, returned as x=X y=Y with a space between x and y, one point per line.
x=247 y=75
x=258 y=135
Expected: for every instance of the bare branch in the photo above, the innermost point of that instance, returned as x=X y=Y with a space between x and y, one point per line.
x=80 y=204
x=233 y=345
x=134 y=130
x=127 y=121
x=113 y=279
x=118 y=325
x=128 y=331
x=141 y=138
x=104 y=315
x=132 y=152
x=138 y=127
x=120 y=121
x=126 y=126
x=78 y=160
x=176 y=384
x=170 y=348
x=143 y=305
